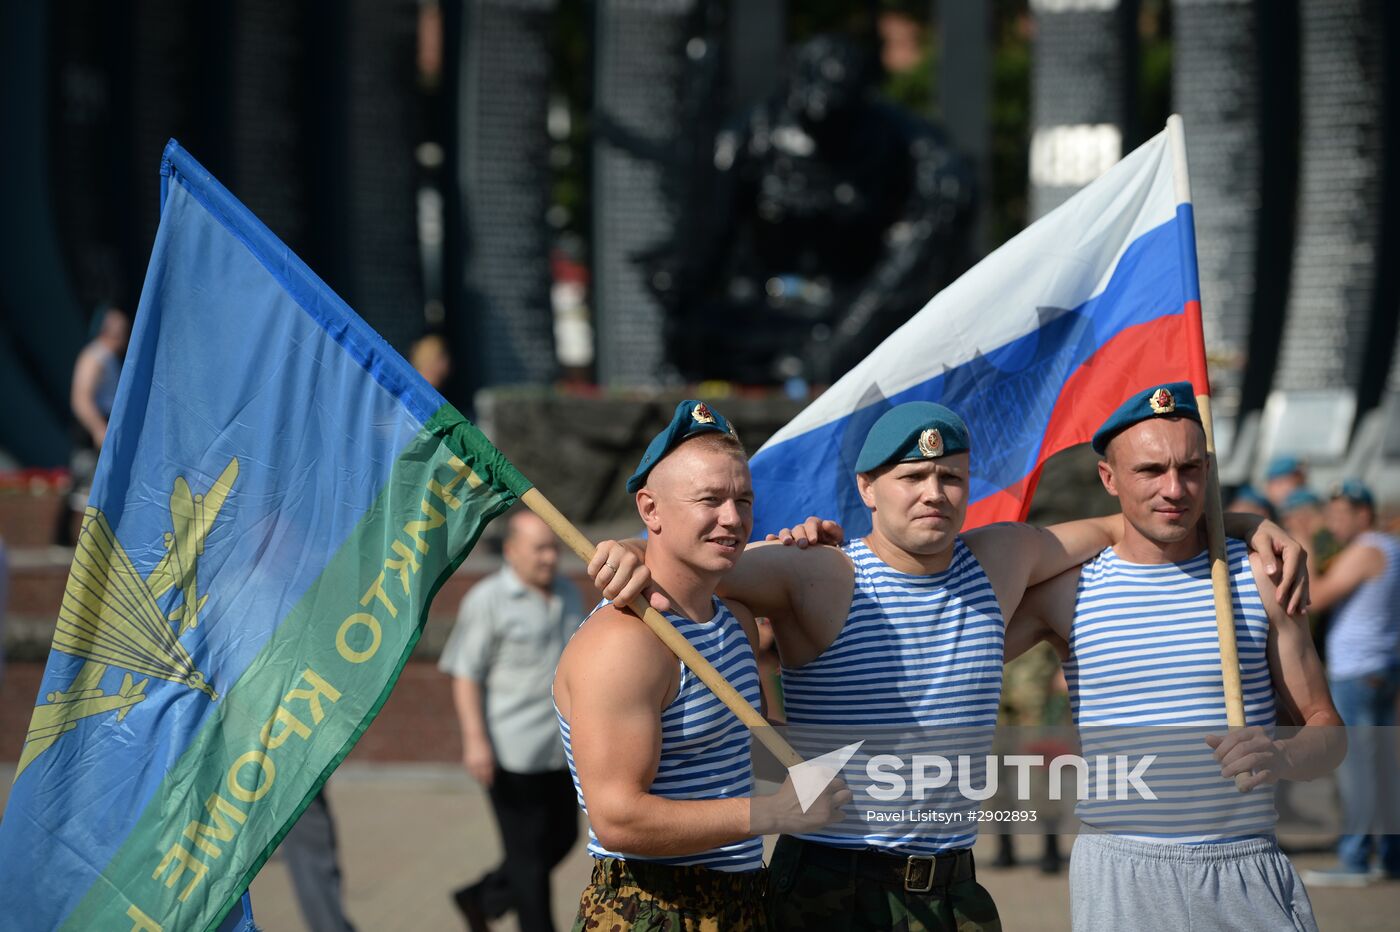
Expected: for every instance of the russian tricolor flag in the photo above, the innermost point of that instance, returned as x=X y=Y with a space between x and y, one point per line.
x=1034 y=347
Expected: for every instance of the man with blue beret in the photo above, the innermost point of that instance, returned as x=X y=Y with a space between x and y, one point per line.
x=1249 y=500
x=660 y=766
x=1136 y=628
x=1361 y=586
x=1284 y=476
x=901 y=630
x=1301 y=514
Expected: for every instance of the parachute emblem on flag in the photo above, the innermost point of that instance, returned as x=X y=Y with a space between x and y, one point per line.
x=110 y=615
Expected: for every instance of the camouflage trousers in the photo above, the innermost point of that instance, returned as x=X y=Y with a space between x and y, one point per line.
x=861 y=895
x=636 y=895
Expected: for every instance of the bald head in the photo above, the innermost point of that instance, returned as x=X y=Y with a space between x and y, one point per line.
x=115 y=330
x=531 y=549
x=680 y=466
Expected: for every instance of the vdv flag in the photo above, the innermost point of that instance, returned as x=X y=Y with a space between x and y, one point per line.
x=1035 y=346
x=278 y=500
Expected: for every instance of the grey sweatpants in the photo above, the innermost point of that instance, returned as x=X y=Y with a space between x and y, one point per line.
x=1243 y=886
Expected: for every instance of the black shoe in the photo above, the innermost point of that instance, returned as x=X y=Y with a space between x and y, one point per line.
x=1006 y=855
x=468 y=900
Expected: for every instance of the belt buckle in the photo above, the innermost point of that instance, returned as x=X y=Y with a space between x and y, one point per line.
x=910 y=865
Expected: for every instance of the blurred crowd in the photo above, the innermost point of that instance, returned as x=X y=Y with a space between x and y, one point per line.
x=1355 y=619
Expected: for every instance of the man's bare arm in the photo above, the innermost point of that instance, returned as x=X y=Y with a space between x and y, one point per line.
x=477 y=754
x=1285 y=559
x=771 y=580
x=86 y=372
x=618 y=676
x=1301 y=684
x=1016 y=556
x=1045 y=614
x=1349 y=569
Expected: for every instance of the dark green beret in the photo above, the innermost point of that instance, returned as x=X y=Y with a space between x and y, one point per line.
x=692 y=417
x=915 y=430
x=1175 y=399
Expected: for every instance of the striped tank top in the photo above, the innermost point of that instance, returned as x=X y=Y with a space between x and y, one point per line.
x=915 y=670
x=1144 y=679
x=704 y=746
x=1364 y=637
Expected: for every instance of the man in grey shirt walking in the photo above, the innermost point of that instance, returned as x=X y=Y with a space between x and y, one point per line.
x=510 y=631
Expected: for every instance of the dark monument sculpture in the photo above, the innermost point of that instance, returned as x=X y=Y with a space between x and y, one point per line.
x=827 y=219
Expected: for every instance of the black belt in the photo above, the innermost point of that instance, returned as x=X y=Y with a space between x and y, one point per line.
x=915 y=874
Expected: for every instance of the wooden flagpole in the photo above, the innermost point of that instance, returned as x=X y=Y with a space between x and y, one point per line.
x=1214 y=511
x=672 y=638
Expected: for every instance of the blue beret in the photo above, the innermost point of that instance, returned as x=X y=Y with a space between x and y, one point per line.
x=1356 y=492
x=692 y=417
x=1281 y=466
x=1175 y=399
x=1300 y=498
x=915 y=430
x=1248 y=493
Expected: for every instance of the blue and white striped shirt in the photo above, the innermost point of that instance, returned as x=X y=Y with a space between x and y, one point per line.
x=1144 y=678
x=1364 y=637
x=916 y=653
x=704 y=746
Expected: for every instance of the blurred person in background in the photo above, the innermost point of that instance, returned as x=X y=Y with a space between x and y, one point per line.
x=95 y=376
x=1034 y=701
x=1303 y=517
x=430 y=357
x=1285 y=475
x=4 y=602
x=1362 y=587
x=313 y=863
x=1247 y=500
x=511 y=629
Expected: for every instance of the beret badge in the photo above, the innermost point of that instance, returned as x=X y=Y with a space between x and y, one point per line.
x=931 y=443
x=702 y=415
x=1162 y=401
